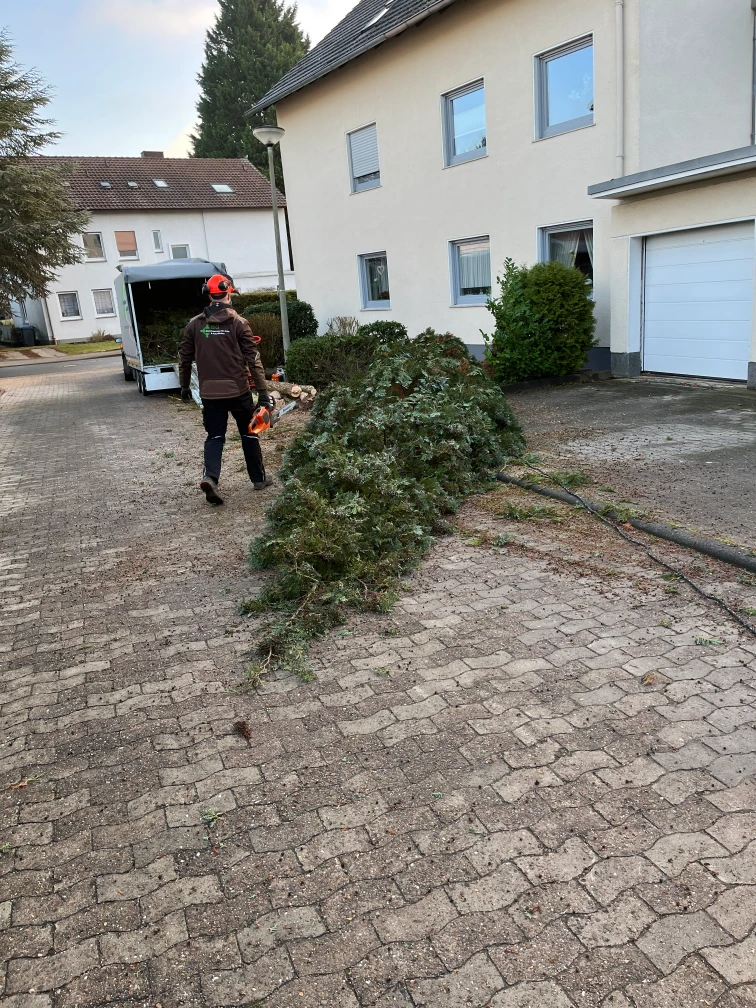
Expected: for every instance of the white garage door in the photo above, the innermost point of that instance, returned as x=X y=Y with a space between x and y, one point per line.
x=699 y=301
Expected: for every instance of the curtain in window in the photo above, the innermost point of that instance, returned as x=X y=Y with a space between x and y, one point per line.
x=377 y=279
x=564 y=246
x=474 y=267
x=588 y=236
x=103 y=301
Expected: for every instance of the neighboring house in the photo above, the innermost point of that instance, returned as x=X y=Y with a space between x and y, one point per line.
x=149 y=209
x=428 y=140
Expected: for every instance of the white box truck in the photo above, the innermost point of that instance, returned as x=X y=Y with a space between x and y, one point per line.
x=153 y=303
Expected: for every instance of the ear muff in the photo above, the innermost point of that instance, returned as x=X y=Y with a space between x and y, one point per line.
x=217 y=285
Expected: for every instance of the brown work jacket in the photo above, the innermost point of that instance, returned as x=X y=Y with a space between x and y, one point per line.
x=222 y=344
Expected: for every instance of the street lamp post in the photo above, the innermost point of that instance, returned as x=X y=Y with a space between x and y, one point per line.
x=270 y=136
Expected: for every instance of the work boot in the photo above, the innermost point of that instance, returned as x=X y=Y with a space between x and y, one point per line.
x=268 y=481
x=210 y=489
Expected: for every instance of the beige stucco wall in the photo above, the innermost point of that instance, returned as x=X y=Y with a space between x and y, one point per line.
x=696 y=205
x=695 y=73
x=520 y=186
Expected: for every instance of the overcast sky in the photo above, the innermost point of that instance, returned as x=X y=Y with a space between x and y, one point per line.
x=123 y=72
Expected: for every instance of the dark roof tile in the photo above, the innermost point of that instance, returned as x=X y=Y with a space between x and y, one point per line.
x=190 y=183
x=351 y=37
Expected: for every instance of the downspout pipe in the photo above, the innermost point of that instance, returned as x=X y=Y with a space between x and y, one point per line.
x=619 y=34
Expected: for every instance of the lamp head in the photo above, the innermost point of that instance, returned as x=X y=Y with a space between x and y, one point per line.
x=268 y=135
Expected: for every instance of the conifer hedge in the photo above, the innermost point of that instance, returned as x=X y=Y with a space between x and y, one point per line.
x=384 y=458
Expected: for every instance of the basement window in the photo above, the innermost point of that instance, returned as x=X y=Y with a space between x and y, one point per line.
x=160 y=183
x=222 y=187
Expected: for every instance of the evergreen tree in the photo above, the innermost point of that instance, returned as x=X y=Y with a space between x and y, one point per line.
x=37 y=213
x=251 y=46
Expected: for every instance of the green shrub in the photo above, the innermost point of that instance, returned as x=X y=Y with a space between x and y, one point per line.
x=544 y=322
x=367 y=485
x=383 y=330
x=268 y=327
x=302 y=321
x=241 y=302
x=326 y=360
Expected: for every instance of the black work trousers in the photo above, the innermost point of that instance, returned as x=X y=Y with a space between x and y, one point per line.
x=215 y=420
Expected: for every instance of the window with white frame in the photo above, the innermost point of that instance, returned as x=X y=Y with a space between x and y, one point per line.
x=69 y=305
x=571 y=245
x=103 y=302
x=464 y=123
x=179 y=251
x=374 y=280
x=157 y=241
x=364 y=165
x=126 y=244
x=93 y=246
x=471 y=271
x=564 y=88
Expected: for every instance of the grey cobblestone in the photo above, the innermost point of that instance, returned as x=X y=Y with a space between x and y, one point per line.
x=512 y=818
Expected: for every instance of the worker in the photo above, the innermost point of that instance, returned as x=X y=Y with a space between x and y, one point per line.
x=222 y=344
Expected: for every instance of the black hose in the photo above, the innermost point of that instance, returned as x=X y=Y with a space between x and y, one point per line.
x=728 y=554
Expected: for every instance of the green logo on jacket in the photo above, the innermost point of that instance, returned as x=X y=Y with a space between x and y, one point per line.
x=208 y=331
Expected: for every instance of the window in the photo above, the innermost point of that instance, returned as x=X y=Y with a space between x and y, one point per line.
x=471 y=271
x=222 y=187
x=103 y=302
x=133 y=185
x=374 y=280
x=160 y=183
x=571 y=245
x=126 y=244
x=106 y=185
x=157 y=241
x=364 y=167
x=93 y=246
x=465 y=124
x=179 y=251
x=69 y=305
x=564 y=89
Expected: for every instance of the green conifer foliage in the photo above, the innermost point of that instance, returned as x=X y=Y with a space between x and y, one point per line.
x=252 y=45
x=37 y=213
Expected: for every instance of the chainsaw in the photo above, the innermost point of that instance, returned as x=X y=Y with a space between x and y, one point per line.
x=264 y=418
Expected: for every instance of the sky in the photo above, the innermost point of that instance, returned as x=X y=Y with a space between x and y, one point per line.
x=123 y=72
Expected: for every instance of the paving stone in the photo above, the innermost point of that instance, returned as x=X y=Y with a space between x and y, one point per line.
x=500 y=788
x=693 y=985
x=670 y=939
x=673 y=853
x=544 y=994
x=606 y=880
x=546 y=955
x=622 y=922
x=492 y=892
x=471 y=986
x=570 y=861
x=737 y=964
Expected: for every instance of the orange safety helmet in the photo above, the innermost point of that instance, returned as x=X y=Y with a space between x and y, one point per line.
x=219 y=285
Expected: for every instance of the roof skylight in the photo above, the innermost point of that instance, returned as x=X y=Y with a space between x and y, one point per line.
x=381 y=13
x=106 y=185
x=133 y=185
x=160 y=183
x=222 y=187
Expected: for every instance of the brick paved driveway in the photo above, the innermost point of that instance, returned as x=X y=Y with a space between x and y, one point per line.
x=527 y=787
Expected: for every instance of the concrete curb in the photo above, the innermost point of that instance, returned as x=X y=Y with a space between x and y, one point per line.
x=728 y=554
x=61 y=359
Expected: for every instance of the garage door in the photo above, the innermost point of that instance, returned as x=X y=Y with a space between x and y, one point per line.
x=699 y=301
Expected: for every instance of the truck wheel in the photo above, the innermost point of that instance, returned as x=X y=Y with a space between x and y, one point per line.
x=128 y=374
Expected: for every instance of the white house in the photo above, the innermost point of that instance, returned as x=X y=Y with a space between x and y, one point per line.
x=428 y=140
x=148 y=209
